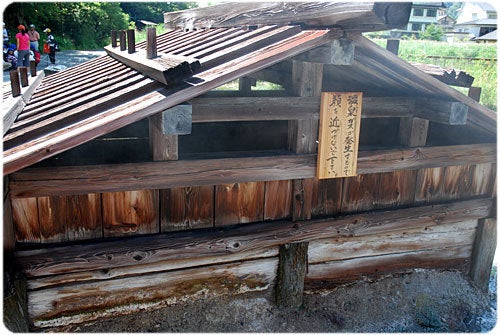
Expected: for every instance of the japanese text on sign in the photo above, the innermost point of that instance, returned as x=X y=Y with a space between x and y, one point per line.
x=340 y=117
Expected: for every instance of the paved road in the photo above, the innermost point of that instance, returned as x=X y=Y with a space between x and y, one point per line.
x=64 y=59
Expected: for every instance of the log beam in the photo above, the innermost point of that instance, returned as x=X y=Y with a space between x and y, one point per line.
x=35 y=182
x=364 y=16
x=336 y=52
x=191 y=248
x=441 y=111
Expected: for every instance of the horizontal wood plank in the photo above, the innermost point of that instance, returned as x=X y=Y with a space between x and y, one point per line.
x=152 y=175
x=88 y=301
x=184 y=248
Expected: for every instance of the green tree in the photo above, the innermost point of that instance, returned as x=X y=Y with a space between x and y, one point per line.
x=432 y=32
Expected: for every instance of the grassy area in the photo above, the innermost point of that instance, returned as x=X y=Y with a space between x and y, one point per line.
x=484 y=70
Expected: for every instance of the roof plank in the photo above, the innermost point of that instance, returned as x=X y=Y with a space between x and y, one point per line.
x=165 y=68
x=362 y=16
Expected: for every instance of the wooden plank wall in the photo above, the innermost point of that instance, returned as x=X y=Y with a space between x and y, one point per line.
x=69 y=284
x=93 y=216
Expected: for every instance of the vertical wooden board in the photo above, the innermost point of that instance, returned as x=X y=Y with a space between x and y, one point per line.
x=339 y=124
x=130 y=213
x=483 y=179
x=84 y=217
x=327 y=197
x=9 y=235
x=429 y=186
x=239 y=203
x=25 y=218
x=458 y=181
x=360 y=193
x=52 y=217
x=187 y=208
x=278 y=200
x=302 y=199
x=396 y=188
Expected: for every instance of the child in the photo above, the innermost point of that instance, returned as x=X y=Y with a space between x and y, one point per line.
x=10 y=58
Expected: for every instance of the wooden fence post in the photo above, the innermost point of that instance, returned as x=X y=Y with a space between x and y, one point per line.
x=123 y=42
x=113 y=38
x=131 y=41
x=15 y=84
x=392 y=45
x=151 y=51
x=23 y=71
x=483 y=252
x=474 y=93
x=33 y=68
x=292 y=268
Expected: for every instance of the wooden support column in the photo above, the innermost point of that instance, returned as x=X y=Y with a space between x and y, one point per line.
x=164 y=129
x=15 y=84
x=307 y=79
x=474 y=93
x=123 y=40
x=151 y=49
x=483 y=252
x=23 y=73
x=292 y=268
x=131 y=41
x=413 y=131
x=114 y=38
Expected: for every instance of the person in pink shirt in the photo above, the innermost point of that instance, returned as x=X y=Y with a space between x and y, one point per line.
x=23 y=46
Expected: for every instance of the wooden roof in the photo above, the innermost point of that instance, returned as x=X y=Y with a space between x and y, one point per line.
x=97 y=97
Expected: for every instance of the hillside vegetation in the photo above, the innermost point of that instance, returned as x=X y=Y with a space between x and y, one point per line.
x=478 y=60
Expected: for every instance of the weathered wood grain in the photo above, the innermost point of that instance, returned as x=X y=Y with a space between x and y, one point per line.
x=402 y=241
x=52 y=218
x=87 y=301
x=484 y=252
x=130 y=213
x=188 y=245
x=365 y=16
x=292 y=267
x=430 y=183
x=25 y=219
x=187 y=208
x=109 y=178
x=278 y=200
x=83 y=217
x=396 y=188
x=239 y=203
x=358 y=268
x=326 y=197
x=360 y=193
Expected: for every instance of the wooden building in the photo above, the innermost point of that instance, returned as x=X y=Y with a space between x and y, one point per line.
x=133 y=180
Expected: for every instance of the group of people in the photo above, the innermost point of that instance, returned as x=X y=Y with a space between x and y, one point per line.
x=27 y=46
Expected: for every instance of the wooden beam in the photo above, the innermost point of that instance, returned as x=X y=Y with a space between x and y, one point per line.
x=163 y=147
x=363 y=16
x=483 y=253
x=442 y=111
x=289 y=108
x=165 y=68
x=413 y=131
x=336 y=52
x=34 y=182
x=194 y=248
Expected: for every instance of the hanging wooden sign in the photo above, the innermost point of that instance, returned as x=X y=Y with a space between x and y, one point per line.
x=340 y=120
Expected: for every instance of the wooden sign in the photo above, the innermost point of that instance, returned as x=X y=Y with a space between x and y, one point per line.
x=340 y=119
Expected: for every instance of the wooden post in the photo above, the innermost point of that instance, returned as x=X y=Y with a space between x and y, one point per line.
x=33 y=68
x=123 y=42
x=292 y=268
x=113 y=38
x=131 y=41
x=23 y=72
x=413 y=131
x=163 y=147
x=151 y=51
x=475 y=93
x=15 y=84
x=393 y=46
x=483 y=252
